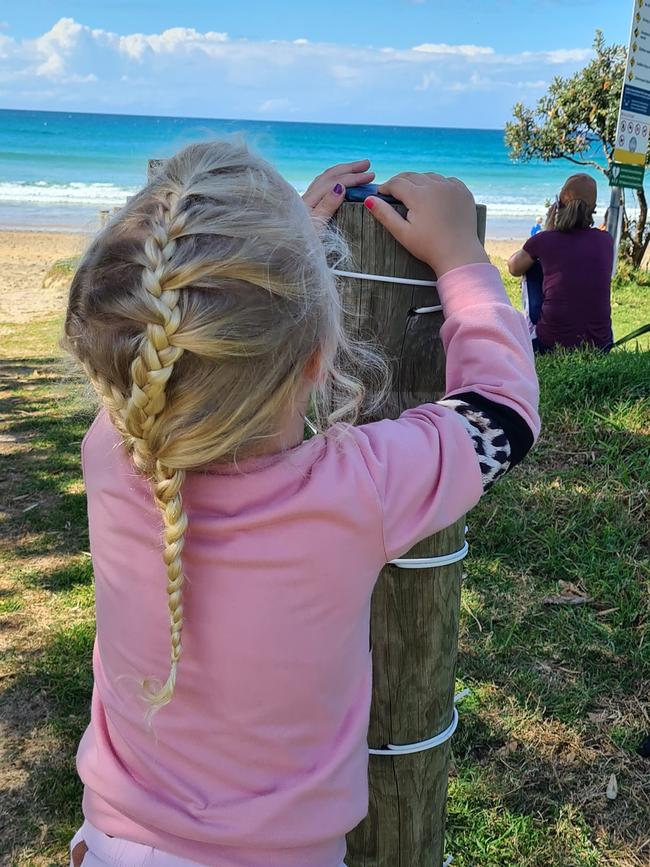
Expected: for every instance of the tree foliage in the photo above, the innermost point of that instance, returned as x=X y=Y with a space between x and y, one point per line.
x=577 y=121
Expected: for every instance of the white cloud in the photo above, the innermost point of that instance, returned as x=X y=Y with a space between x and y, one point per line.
x=176 y=40
x=482 y=83
x=273 y=106
x=187 y=72
x=463 y=50
x=563 y=56
x=6 y=46
x=428 y=79
x=346 y=74
x=573 y=55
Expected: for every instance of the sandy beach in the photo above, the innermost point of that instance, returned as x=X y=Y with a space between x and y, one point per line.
x=503 y=249
x=26 y=258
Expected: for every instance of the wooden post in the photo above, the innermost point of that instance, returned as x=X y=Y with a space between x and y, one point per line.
x=414 y=621
x=153 y=167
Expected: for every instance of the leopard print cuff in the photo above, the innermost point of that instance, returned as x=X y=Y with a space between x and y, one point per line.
x=490 y=441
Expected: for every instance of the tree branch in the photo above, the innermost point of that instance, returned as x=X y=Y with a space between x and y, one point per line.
x=584 y=163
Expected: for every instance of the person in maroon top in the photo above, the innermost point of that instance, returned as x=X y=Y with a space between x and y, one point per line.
x=577 y=261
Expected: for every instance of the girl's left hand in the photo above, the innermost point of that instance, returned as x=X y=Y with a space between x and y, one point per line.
x=326 y=193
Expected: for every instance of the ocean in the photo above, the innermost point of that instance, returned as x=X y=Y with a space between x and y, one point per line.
x=59 y=169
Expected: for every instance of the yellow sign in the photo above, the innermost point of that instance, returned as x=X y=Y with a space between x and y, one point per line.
x=629 y=158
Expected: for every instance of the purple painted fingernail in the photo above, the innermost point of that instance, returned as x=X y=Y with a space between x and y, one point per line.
x=338 y=189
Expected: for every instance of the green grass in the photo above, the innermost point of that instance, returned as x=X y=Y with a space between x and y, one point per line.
x=62 y=270
x=559 y=693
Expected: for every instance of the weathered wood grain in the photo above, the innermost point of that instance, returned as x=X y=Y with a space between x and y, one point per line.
x=153 y=167
x=414 y=621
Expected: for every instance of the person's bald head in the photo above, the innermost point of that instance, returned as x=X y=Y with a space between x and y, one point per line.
x=574 y=207
x=582 y=188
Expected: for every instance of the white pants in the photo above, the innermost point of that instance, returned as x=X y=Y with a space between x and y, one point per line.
x=104 y=851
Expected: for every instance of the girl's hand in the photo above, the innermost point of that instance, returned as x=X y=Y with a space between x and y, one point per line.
x=326 y=193
x=440 y=224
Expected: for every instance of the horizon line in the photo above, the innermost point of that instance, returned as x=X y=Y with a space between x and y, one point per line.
x=251 y=119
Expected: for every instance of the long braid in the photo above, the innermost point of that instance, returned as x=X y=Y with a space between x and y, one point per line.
x=167 y=487
x=150 y=372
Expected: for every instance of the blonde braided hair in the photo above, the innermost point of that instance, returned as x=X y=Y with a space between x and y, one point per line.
x=150 y=371
x=195 y=315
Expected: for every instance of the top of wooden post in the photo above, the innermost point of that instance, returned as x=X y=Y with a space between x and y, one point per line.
x=153 y=167
x=383 y=312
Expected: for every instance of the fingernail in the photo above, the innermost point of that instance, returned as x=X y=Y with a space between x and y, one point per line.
x=369 y=203
x=338 y=189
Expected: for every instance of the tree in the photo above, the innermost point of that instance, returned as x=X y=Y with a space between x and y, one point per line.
x=575 y=121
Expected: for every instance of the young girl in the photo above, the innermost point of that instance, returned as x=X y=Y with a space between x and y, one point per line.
x=207 y=317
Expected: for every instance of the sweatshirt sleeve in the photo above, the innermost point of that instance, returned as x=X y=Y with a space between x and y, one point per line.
x=432 y=464
x=488 y=348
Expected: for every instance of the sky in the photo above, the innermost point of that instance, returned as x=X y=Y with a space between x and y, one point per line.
x=455 y=63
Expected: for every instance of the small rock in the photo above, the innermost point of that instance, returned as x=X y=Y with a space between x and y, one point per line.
x=612 y=788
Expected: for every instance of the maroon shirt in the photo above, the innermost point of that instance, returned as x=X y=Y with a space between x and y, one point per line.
x=577 y=275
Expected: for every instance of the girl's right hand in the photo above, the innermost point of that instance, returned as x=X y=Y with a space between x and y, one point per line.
x=440 y=224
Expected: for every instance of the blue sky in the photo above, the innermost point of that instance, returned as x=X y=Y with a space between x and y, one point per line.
x=429 y=62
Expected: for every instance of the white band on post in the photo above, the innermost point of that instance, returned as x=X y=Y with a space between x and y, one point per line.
x=421 y=746
x=379 y=278
x=432 y=743
x=436 y=309
x=431 y=562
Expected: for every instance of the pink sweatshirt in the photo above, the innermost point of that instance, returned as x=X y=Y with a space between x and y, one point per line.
x=261 y=758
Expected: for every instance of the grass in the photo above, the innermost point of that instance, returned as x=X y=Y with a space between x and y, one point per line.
x=61 y=271
x=563 y=690
x=560 y=693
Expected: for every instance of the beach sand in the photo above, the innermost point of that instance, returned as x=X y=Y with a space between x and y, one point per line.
x=503 y=249
x=26 y=257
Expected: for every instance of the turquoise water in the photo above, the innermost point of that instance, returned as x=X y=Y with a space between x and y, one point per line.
x=58 y=170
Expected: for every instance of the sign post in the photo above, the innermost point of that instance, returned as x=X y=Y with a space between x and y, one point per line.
x=633 y=127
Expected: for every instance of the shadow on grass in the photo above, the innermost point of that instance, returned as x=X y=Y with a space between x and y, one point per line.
x=47 y=707
x=41 y=471
x=74 y=574
x=520 y=799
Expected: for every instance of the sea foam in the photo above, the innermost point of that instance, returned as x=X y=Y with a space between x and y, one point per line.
x=42 y=192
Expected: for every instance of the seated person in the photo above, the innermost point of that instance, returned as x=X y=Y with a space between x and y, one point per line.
x=577 y=261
